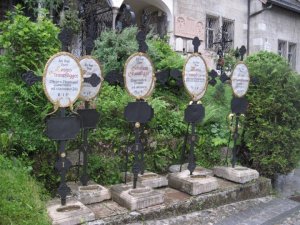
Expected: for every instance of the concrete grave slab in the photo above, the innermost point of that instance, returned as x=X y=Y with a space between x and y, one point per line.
x=92 y=194
x=134 y=199
x=198 y=183
x=238 y=174
x=74 y=212
x=149 y=179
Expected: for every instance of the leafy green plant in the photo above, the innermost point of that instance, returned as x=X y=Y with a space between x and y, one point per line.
x=105 y=170
x=70 y=18
x=113 y=48
x=53 y=4
x=163 y=56
x=27 y=45
x=22 y=198
x=272 y=126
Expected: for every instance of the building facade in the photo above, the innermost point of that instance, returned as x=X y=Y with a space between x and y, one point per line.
x=270 y=25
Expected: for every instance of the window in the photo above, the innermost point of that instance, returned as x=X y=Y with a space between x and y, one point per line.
x=288 y=50
x=282 y=48
x=212 y=25
x=228 y=29
x=292 y=55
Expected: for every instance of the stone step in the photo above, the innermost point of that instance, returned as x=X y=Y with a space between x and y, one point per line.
x=209 y=216
x=263 y=214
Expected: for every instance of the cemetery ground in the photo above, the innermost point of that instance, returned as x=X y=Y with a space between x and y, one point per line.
x=269 y=134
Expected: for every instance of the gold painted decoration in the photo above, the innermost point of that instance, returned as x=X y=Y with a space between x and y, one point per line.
x=195 y=76
x=139 y=76
x=62 y=79
x=89 y=67
x=240 y=80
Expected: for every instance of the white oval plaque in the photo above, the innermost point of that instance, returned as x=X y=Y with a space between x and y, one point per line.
x=240 y=80
x=91 y=67
x=139 y=76
x=195 y=76
x=62 y=79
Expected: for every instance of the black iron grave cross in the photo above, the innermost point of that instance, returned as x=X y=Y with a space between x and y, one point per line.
x=239 y=105
x=138 y=113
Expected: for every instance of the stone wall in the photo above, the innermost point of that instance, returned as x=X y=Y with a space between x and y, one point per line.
x=272 y=25
x=266 y=28
x=236 y=11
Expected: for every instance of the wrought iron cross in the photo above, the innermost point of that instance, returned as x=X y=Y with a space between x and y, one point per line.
x=222 y=42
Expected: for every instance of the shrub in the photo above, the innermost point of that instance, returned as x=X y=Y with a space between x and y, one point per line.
x=166 y=131
x=272 y=126
x=163 y=56
x=113 y=48
x=22 y=199
x=27 y=45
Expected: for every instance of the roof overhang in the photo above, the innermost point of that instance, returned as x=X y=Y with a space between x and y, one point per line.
x=292 y=5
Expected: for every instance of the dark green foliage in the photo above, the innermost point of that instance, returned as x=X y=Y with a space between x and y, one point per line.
x=104 y=169
x=163 y=56
x=272 y=130
x=112 y=48
x=27 y=45
x=21 y=198
x=165 y=133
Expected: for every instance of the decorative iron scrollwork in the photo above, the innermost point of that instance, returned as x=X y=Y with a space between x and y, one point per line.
x=30 y=78
x=65 y=36
x=213 y=75
x=125 y=17
x=115 y=78
x=93 y=80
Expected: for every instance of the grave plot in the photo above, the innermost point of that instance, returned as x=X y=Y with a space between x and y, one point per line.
x=239 y=79
x=139 y=81
x=195 y=79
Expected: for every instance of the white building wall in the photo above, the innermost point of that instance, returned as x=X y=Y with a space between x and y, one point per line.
x=235 y=10
x=272 y=25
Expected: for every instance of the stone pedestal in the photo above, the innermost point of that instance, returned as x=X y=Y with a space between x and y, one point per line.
x=134 y=199
x=238 y=174
x=92 y=194
x=74 y=212
x=149 y=179
x=198 y=183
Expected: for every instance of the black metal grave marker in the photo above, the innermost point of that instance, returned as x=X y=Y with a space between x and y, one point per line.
x=89 y=117
x=62 y=128
x=194 y=113
x=138 y=112
x=239 y=104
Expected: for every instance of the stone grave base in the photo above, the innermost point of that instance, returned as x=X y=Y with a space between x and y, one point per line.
x=198 y=183
x=149 y=179
x=238 y=174
x=92 y=194
x=133 y=199
x=74 y=212
x=176 y=168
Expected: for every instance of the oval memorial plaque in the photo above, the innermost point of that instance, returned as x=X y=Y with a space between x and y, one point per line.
x=92 y=75
x=240 y=80
x=139 y=76
x=62 y=79
x=195 y=76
